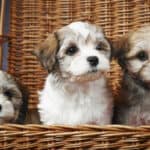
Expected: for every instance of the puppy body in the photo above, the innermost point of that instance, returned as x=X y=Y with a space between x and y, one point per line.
x=67 y=103
x=134 y=57
x=133 y=107
x=75 y=91
x=12 y=105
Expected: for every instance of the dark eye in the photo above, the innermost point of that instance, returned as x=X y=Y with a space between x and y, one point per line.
x=142 y=56
x=8 y=93
x=99 y=47
x=71 y=50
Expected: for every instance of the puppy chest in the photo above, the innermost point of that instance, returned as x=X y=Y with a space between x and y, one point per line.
x=80 y=104
x=81 y=112
x=79 y=108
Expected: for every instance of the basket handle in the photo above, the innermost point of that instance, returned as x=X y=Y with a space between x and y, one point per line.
x=2 y=13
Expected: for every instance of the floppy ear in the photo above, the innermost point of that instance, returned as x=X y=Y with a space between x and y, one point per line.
x=119 y=48
x=46 y=51
x=111 y=46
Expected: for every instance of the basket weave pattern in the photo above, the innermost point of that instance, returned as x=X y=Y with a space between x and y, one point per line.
x=31 y=21
x=36 y=137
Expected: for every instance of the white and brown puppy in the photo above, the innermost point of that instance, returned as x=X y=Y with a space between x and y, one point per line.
x=13 y=106
x=77 y=57
x=133 y=53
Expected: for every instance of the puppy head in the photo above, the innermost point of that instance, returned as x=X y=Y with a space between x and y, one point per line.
x=77 y=51
x=133 y=53
x=10 y=99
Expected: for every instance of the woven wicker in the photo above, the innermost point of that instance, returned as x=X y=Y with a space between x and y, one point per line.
x=31 y=21
x=36 y=137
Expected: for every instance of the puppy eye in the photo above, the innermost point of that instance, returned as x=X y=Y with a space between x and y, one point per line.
x=8 y=93
x=71 y=50
x=142 y=56
x=99 y=47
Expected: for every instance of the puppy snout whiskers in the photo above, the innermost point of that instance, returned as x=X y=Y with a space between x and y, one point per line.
x=93 y=61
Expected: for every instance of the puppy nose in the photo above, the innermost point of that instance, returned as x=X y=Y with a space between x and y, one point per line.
x=0 y=107
x=93 y=60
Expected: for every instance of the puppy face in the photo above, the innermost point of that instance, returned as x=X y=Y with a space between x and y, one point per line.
x=10 y=99
x=134 y=53
x=79 y=50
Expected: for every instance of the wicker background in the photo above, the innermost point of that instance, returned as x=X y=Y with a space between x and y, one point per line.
x=32 y=20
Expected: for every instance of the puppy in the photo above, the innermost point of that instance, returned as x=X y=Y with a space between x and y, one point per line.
x=13 y=106
x=77 y=58
x=133 y=53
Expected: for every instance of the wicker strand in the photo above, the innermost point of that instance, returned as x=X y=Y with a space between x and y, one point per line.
x=80 y=137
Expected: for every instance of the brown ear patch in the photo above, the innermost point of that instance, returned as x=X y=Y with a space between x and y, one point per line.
x=120 y=45
x=120 y=48
x=46 y=51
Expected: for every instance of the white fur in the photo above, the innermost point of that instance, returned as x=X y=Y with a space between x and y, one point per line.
x=76 y=106
x=82 y=28
x=10 y=98
x=65 y=102
x=139 y=41
x=145 y=73
x=135 y=65
x=7 y=109
x=78 y=65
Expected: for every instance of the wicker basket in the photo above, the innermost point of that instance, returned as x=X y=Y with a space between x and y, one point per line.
x=31 y=21
x=36 y=137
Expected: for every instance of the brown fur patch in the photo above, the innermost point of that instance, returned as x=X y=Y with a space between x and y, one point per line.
x=125 y=43
x=46 y=51
x=120 y=48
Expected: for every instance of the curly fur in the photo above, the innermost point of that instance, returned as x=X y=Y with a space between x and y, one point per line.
x=74 y=93
x=133 y=107
x=13 y=103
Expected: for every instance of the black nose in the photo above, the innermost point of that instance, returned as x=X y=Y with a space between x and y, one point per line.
x=0 y=107
x=93 y=60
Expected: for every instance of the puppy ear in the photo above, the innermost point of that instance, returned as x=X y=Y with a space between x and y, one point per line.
x=119 y=48
x=46 y=51
x=111 y=46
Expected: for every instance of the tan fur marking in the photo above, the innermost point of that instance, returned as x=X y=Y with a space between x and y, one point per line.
x=46 y=51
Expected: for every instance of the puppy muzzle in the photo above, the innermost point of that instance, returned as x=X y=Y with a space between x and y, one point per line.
x=90 y=76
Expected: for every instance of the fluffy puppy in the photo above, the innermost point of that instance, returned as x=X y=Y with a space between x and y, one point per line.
x=133 y=53
x=13 y=106
x=77 y=57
